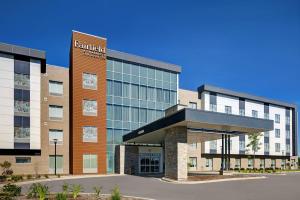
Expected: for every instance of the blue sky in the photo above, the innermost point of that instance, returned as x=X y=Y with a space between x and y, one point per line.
x=249 y=46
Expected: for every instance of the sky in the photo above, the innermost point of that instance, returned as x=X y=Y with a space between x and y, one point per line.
x=250 y=46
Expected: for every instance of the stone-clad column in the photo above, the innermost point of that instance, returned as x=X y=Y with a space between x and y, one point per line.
x=120 y=159
x=176 y=150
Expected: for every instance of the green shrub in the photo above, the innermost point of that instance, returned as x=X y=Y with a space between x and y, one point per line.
x=116 y=195
x=29 y=176
x=42 y=191
x=16 y=178
x=76 y=189
x=98 y=191
x=61 y=196
x=6 y=168
x=12 y=190
x=2 y=178
x=65 y=188
x=32 y=191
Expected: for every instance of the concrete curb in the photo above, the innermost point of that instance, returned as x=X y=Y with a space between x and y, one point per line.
x=62 y=178
x=211 y=181
x=127 y=196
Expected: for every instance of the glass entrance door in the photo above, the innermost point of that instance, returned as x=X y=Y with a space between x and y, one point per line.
x=149 y=162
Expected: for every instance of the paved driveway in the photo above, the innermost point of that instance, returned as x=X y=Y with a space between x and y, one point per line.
x=275 y=187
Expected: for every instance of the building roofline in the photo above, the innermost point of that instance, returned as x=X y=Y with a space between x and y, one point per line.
x=89 y=34
x=142 y=60
x=57 y=66
x=20 y=50
x=210 y=88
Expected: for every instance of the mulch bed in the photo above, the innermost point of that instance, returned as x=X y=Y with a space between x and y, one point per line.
x=207 y=177
x=82 y=197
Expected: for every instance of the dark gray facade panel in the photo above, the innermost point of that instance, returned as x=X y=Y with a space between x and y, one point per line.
x=214 y=151
x=287 y=127
x=266 y=108
x=241 y=103
x=23 y=51
x=266 y=140
x=141 y=60
x=213 y=98
x=267 y=153
x=287 y=141
x=210 y=88
x=295 y=131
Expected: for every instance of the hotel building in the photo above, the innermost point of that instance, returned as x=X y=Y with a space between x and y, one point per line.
x=114 y=112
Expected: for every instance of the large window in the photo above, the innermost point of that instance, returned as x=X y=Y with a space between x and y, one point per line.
x=134 y=114
x=192 y=105
x=288 y=148
x=166 y=96
x=254 y=113
x=277 y=133
x=22 y=81
x=117 y=112
x=118 y=89
x=151 y=94
x=242 y=145
x=56 y=134
x=135 y=91
x=277 y=118
x=159 y=95
x=55 y=112
x=56 y=88
x=287 y=120
x=126 y=90
x=22 y=107
x=90 y=107
x=21 y=135
x=89 y=134
x=125 y=114
x=59 y=163
x=143 y=93
x=90 y=163
x=143 y=115
x=250 y=163
x=23 y=160
x=213 y=145
x=277 y=147
x=237 y=163
x=242 y=112
x=213 y=107
x=89 y=81
x=228 y=110
x=267 y=147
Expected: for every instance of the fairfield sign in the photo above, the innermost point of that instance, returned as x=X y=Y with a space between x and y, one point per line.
x=92 y=50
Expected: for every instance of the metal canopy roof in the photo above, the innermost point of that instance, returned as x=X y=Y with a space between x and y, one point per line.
x=209 y=124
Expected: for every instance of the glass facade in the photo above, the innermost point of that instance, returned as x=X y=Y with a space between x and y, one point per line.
x=136 y=95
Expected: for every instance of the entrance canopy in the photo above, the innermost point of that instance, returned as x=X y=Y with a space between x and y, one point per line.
x=211 y=125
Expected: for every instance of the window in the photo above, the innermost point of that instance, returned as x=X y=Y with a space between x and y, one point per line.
x=254 y=113
x=288 y=134
x=266 y=134
x=22 y=107
x=135 y=91
x=143 y=115
x=277 y=118
x=56 y=88
x=90 y=163
x=277 y=147
x=134 y=114
x=117 y=89
x=56 y=134
x=23 y=160
x=143 y=92
x=21 y=135
x=242 y=112
x=288 y=148
x=21 y=81
x=288 y=120
x=242 y=145
x=173 y=97
x=151 y=94
x=273 y=163
x=250 y=163
x=117 y=112
x=213 y=145
x=109 y=87
x=166 y=96
x=262 y=163
x=59 y=163
x=208 y=162
x=89 y=81
x=89 y=134
x=193 y=105
x=266 y=115
x=228 y=109
x=125 y=90
x=193 y=162
x=55 y=112
x=159 y=95
x=237 y=163
x=193 y=145
x=266 y=147
x=277 y=133
x=89 y=107
x=213 y=107
x=125 y=114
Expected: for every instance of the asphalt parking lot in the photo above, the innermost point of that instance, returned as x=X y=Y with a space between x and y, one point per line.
x=274 y=187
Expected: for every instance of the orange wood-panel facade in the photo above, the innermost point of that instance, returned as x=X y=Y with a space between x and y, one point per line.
x=89 y=61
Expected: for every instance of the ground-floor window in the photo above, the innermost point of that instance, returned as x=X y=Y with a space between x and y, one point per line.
x=23 y=160
x=273 y=163
x=209 y=163
x=59 y=164
x=262 y=163
x=283 y=163
x=193 y=162
x=149 y=162
x=250 y=163
x=237 y=163
x=90 y=163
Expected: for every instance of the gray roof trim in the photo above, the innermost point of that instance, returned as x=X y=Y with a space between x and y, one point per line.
x=24 y=51
x=210 y=88
x=142 y=60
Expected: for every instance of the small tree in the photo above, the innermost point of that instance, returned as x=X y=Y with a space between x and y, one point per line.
x=254 y=144
x=6 y=170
